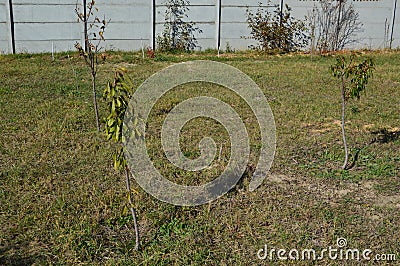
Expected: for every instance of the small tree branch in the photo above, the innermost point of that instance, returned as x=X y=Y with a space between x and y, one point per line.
x=96 y=109
x=133 y=212
x=343 y=125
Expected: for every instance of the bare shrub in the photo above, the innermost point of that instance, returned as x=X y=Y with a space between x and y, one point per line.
x=335 y=25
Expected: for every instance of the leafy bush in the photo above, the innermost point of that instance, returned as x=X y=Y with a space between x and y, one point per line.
x=178 y=35
x=277 y=30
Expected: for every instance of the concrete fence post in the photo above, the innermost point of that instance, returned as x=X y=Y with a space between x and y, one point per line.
x=393 y=22
x=153 y=21
x=218 y=25
x=10 y=24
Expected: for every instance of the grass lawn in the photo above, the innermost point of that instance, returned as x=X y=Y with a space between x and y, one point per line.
x=61 y=200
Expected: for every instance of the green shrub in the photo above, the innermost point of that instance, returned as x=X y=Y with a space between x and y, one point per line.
x=178 y=35
x=277 y=30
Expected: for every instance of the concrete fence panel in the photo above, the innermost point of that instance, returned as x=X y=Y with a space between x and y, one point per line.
x=45 y=25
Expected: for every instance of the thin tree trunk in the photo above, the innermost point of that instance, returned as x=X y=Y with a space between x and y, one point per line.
x=85 y=27
x=96 y=109
x=343 y=123
x=128 y=187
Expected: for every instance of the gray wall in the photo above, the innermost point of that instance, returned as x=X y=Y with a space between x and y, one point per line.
x=4 y=28
x=40 y=25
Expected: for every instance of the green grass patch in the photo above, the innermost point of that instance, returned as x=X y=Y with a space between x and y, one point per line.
x=61 y=201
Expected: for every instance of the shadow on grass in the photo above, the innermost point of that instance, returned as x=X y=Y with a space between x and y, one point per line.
x=380 y=136
x=14 y=259
x=385 y=136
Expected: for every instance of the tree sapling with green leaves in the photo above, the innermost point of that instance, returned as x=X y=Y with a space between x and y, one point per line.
x=117 y=94
x=353 y=80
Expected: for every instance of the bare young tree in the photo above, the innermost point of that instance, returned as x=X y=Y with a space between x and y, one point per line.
x=336 y=25
x=92 y=47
